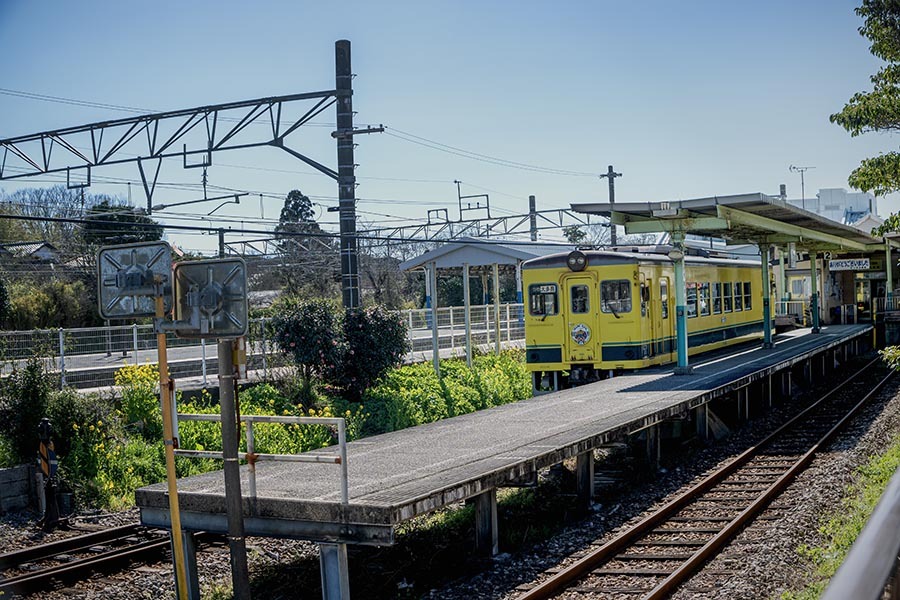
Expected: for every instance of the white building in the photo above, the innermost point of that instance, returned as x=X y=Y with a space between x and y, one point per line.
x=839 y=205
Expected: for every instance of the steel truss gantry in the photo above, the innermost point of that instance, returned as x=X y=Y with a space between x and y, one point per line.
x=445 y=230
x=149 y=139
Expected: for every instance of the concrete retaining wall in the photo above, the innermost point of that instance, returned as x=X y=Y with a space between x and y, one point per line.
x=16 y=488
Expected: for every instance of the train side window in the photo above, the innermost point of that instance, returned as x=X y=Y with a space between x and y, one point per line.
x=747 y=295
x=726 y=296
x=664 y=298
x=704 y=299
x=717 y=297
x=691 y=288
x=738 y=296
x=580 y=303
x=615 y=296
x=543 y=299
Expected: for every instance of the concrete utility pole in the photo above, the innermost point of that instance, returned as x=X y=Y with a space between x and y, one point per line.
x=346 y=176
x=611 y=175
x=532 y=217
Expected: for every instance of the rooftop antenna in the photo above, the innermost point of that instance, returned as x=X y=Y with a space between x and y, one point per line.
x=802 y=171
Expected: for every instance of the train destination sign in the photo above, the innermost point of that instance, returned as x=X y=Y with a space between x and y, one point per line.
x=849 y=264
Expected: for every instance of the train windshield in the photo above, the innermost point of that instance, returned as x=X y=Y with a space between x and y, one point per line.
x=615 y=296
x=543 y=299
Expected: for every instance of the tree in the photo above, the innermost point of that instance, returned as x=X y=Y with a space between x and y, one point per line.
x=107 y=224
x=879 y=109
x=574 y=234
x=310 y=258
x=308 y=331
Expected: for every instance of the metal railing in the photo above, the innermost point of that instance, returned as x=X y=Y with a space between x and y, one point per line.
x=872 y=566
x=252 y=457
x=88 y=356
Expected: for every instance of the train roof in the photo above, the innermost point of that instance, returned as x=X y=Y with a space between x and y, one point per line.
x=632 y=255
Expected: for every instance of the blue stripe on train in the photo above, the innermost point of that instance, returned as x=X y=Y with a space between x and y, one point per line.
x=621 y=352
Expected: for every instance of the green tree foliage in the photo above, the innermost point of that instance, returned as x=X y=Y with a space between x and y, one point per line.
x=23 y=403
x=878 y=109
x=4 y=301
x=575 y=234
x=51 y=304
x=311 y=260
x=374 y=340
x=108 y=223
x=309 y=332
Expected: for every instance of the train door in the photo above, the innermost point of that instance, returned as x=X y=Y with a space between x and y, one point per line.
x=581 y=318
x=666 y=330
x=647 y=325
x=654 y=318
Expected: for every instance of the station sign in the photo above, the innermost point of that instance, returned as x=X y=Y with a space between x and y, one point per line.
x=849 y=264
x=129 y=277
x=211 y=298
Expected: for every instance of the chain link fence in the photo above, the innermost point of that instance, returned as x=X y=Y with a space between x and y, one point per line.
x=88 y=357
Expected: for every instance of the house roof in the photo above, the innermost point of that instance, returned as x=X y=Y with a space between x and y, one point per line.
x=25 y=249
x=482 y=252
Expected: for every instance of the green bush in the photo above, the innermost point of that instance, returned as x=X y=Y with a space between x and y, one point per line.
x=139 y=400
x=412 y=394
x=374 y=340
x=309 y=332
x=23 y=403
x=71 y=413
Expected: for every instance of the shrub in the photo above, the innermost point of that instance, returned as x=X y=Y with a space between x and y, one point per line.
x=406 y=396
x=139 y=401
x=309 y=332
x=23 y=403
x=72 y=413
x=374 y=340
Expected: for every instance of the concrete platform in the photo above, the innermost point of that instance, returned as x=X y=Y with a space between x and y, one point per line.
x=396 y=476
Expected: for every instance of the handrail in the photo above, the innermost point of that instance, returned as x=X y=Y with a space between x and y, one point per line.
x=871 y=564
x=252 y=457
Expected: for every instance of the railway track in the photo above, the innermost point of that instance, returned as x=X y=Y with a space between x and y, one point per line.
x=653 y=557
x=41 y=567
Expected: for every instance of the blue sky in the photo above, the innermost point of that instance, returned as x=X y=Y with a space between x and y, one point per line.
x=686 y=99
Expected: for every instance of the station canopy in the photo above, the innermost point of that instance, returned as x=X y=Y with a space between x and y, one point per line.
x=480 y=252
x=740 y=219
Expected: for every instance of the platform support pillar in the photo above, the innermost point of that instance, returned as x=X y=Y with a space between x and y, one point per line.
x=584 y=480
x=701 y=421
x=189 y=544
x=768 y=390
x=786 y=384
x=519 y=296
x=743 y=400
x=889 y=288
x=652 y=446
x=766 y=296
x=467 y=301
x=334 y=571
x=432 y=304
x=808 y=372
x=487 y=541
x=677 y=256
x=814 y=290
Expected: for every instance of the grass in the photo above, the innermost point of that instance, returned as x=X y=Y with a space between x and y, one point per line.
x=844 y=525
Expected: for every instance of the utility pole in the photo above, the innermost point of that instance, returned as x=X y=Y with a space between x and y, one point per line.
x=221 y=243
x=611 y=175
x=532 y=216
x=802 y=171
x=346 y=176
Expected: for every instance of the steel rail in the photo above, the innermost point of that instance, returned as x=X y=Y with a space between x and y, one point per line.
x=585 y=565
x=36 y=580
x=10 y=560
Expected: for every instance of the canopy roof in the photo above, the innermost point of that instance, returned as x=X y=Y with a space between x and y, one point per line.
x=481 y=252
x=740 y=219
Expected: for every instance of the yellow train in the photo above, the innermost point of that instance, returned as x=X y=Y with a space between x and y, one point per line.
x=592 y=313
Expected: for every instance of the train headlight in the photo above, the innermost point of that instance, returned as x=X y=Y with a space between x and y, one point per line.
x=576 y=261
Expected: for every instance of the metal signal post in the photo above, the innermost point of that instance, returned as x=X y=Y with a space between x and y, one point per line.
x=165 y=397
